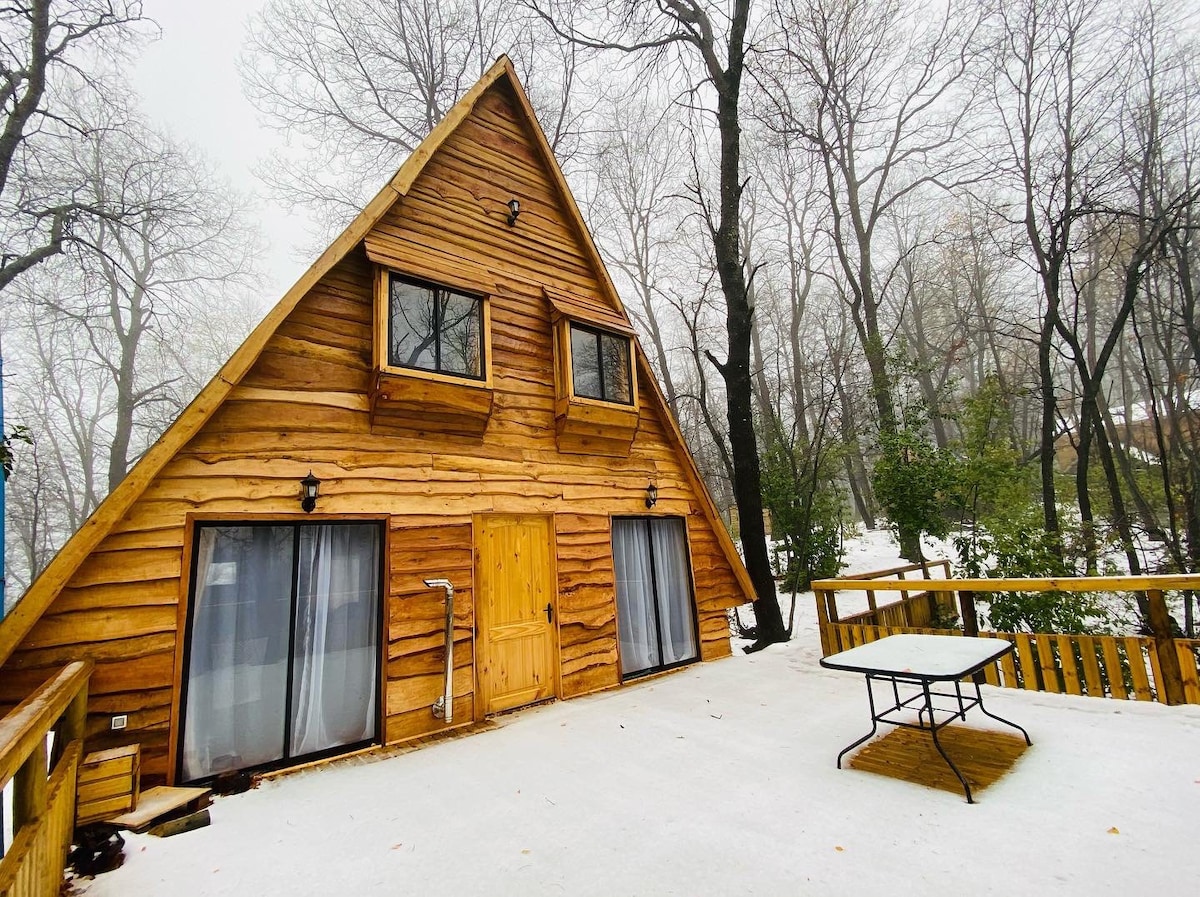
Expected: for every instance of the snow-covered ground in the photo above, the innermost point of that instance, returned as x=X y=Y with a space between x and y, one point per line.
x=718 y=779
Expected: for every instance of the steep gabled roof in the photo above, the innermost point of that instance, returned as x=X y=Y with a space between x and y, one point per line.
x=59 y=571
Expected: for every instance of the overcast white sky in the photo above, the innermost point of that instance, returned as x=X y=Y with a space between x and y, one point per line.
x=189 y=83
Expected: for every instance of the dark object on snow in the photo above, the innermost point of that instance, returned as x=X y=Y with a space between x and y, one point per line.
x=98 y=848
x=232 y=783
x=181 y=824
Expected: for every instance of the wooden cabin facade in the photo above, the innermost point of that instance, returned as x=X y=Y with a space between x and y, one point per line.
x=464 y=387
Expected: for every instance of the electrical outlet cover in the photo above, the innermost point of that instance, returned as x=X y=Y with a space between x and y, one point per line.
x=120 y=721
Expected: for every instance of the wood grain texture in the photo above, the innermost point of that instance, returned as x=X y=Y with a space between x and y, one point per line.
x=982 y=755
x=301 y=400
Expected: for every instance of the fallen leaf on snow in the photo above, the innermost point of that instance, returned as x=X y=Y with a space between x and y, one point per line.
x=839 y=848
x=1114 y=831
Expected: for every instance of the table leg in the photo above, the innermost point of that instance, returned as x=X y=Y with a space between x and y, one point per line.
x=938 y=745
x=874 y=725
x=1007 y=722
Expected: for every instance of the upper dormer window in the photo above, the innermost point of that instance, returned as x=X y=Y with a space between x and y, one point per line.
x=600 y=365
x=432 y=328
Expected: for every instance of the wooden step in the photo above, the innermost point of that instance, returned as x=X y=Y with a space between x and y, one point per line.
x=159 y=804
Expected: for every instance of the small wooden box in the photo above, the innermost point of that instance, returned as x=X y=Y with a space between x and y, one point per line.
x=108 y=784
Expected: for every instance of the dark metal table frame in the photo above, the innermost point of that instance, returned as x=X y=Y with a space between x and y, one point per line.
x=923 y=701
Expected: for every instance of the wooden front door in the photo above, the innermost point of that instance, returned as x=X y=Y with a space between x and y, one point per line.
x=514 y=564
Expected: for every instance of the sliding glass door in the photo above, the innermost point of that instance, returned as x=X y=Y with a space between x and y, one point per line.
x=656 y=622
x=283 y=644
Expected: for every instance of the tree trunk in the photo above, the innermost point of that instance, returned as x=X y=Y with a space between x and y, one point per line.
x=1048 y=430
x=747 y=474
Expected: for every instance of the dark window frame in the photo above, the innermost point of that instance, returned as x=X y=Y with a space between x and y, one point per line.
x=437 y=290
x=381 y=644
x=600 y=333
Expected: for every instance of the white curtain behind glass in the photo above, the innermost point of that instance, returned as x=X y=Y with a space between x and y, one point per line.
x=635 y=597
x=334 y=681
x=237 y=669
x=675 y=621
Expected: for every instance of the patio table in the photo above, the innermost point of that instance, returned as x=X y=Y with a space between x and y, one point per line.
x=923 y=661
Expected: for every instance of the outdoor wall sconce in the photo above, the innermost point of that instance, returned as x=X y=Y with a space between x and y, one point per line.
x=514 y=209
x=651 y=495
x=309 y=487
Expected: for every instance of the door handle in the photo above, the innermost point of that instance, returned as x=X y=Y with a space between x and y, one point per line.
x=549 y=612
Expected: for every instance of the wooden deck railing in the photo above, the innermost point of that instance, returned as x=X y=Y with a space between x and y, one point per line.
x=1158 y=667
x=43 y=791
x=921 y=608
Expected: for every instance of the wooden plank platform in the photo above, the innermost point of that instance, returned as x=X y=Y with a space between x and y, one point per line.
x=155 y=803
x=982 y=755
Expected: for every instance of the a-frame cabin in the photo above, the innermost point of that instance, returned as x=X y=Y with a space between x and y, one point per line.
x=459 y=375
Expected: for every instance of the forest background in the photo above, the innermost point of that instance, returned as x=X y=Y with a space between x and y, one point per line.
x=930 y=265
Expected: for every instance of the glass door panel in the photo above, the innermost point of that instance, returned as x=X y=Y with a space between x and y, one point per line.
x=237 y=668
x=334 y=681
x=677 y=627
x=636 y=624
x=283 y=644
x=655 y=620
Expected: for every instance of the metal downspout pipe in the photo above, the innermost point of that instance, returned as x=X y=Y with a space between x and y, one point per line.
x=443 y=707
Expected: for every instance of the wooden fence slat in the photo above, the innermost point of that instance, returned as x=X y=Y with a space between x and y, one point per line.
x=823 y=627
x=991 y=675
x=1066 y=658
x=991 y=672
x=1091 y=669
x=1029 y=676
x=1137 y=669
x=1158 y=686
x=1045 y=655
x=1188 y=669
x=1008 y=663
x=1168 y=679
x=1114 y=673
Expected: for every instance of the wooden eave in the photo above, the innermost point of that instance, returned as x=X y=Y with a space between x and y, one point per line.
x=43 y=591
x=578 y=309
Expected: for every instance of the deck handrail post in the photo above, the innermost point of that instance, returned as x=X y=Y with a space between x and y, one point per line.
x=966 y=608
x=1164 y=646
x=72 y=726
x=823 y=622
x=30 y=789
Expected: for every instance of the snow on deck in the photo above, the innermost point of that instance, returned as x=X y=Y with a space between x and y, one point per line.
x=718 y=779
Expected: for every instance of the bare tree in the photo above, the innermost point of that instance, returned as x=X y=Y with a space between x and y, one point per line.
x=355 y=85
x=113 y=339
x=1054 y=115
x=709 y=44
x=181 y=240
x=870 y=88
x=634 y=211
x=44 y=47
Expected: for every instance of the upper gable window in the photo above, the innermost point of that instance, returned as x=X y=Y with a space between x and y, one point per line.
x=600 y=365
x=432 y=328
